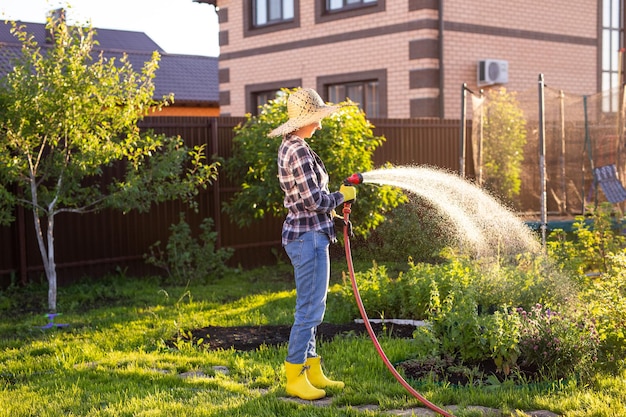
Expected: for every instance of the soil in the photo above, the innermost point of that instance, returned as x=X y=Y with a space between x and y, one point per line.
x=246 y=338
x=251 y=337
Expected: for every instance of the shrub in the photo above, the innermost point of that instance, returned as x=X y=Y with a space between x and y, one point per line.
x=555 y=345
x=467 y=304
x=504 y=139
x=405 y=295
x=185 y=259
x=594 y=240
x=472 y=337
x=605 y=298
x=375 y=291
x=346 y=144
x=410 y=231
x=502 y=331
x=519 y=282
x=456 y=323
x=596 y=256
x=542 y=342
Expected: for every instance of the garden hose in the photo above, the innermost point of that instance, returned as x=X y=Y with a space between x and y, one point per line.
x=381 y=353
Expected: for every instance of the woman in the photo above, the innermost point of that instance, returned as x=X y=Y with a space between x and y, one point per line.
x=307 y=233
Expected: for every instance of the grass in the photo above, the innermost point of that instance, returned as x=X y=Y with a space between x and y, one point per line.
x=117 y=359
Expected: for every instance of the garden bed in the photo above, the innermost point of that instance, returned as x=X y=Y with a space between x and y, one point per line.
x=450 y=370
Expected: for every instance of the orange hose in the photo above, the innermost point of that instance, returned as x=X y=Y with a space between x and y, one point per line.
x=379 y=349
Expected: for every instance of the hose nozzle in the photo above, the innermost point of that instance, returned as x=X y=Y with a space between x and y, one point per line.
x=354 y=179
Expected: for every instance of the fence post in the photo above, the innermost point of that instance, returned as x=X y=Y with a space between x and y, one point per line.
x=590 y=154
x=542 y=162
x=463 y=132
x=620 y=111
x=217 y=221
x=479 y=169
x=563 y=204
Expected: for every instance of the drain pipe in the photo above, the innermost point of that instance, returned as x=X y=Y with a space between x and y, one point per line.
x=346 y=238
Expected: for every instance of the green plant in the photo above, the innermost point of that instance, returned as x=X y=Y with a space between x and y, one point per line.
x=504 y=130
x=596 y=256
x=457 y=324
x=472 y=337
x=185 y=258
x=502 y=330
x=605 y=301
x=521 y=282
x=410 y=231
x=595 y=238
x=346 y=144
x=557 y=345
x=186 y=342
x=466 y=303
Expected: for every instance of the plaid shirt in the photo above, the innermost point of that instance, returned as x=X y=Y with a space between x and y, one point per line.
x=304 y=180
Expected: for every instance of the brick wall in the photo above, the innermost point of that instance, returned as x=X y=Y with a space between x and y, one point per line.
x=568 y=59
x=558 y=39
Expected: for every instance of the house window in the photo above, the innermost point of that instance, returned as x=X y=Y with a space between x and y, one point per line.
x=611 y=25
x=261 y=17
x=268 y=12
x=366 y=88
x=335 y=5
x=365 y=93
x=259 y=94
x=261 y=98
x=331 y=10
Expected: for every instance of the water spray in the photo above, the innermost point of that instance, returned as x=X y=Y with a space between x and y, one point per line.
x=356 y=179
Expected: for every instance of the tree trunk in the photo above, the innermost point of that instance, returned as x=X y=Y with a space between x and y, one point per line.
x=51 y=268
x=46 y=249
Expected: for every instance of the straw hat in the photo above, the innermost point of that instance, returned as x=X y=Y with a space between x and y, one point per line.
x=304 y=106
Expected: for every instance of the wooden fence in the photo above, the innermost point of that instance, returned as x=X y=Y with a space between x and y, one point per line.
x=94 y=244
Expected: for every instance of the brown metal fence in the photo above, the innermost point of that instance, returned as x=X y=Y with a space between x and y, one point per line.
x=94 y=244
x=433 y=142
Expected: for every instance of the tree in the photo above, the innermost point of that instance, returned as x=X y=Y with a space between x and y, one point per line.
x=346 y=144
x=67 y=116
x=504 y=139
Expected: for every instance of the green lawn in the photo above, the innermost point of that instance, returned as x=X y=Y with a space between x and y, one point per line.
x=126 y=348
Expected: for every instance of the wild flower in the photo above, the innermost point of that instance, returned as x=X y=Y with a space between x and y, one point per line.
x=556 y=345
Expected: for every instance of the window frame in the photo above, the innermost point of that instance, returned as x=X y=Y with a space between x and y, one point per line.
x=345 y=6
x=249 y=29
x=322 y=14
x=252 y=91
x=608 y=79
x=379 y=75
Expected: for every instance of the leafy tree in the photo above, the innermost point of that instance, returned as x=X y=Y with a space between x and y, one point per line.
x=66 y=116
x=504 y=132
x=346 y=144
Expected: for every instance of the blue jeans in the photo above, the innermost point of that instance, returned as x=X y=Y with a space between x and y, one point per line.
x=311 y=265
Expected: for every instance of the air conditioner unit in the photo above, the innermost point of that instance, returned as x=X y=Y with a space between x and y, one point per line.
x=493 y=71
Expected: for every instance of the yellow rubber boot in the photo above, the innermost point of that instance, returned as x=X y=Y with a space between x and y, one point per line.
x=317 y=377
x=298 y=384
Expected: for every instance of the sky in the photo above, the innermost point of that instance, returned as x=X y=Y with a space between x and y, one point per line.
x=177 y=26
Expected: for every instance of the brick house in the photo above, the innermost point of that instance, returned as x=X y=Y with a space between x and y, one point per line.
x=193 y=79
x=410 y=58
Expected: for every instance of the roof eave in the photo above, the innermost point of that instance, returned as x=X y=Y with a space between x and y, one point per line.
x=211 y=2
x=195 y=103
